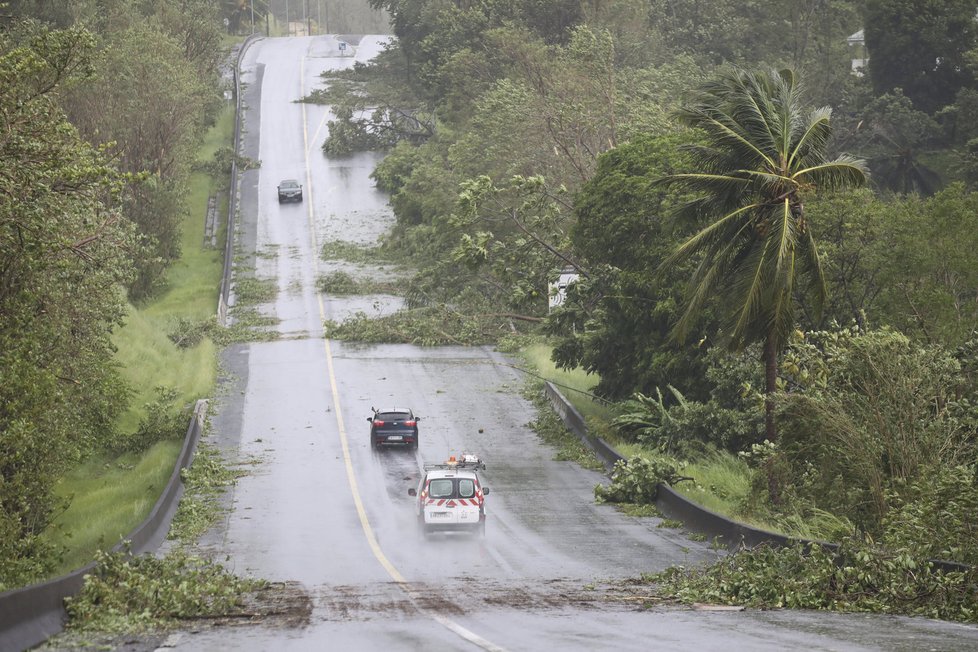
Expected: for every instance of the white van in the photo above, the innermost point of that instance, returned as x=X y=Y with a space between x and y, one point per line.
x=450 y=497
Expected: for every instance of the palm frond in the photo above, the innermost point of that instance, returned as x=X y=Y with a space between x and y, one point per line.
x=704 y=182
x=696 y=298
x=750 y=286
x=754 y=114
x=764 y=179
x=784 y=229
x=711 y=233
x=815 y=273
x=762 y=152
x=844 y=172
x=814 y=138
x=723 y=132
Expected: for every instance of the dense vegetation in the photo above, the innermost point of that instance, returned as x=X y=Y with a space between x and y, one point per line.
x=102 y=108
x=758 y=275
x=735 y=290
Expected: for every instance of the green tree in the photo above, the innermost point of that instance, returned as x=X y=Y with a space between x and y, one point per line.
x=148 y=105
x=893 y=136
x=714 y=31
x=930 y=280
x=765 y=152
x=871 y=413
x=920 y=47
x=856 y=240
x=514 y=236
x=616 y=323
x=196 y=26
x=64 y=253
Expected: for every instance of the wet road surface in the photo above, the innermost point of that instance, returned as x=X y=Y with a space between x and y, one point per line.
x=320 y=509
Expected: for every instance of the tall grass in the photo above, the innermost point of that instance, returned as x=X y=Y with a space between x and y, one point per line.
x=722 y=482
x=149 y=359
x=575 y=384
x=109 y=497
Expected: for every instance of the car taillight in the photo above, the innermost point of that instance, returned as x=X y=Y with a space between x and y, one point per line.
x=410 y=424
x=378 y=422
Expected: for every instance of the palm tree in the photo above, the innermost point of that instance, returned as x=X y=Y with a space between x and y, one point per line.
x=761 y=153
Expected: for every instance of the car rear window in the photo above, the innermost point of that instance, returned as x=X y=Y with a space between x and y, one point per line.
x=393 y=416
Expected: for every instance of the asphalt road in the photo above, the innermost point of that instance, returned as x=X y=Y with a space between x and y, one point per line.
x=319 y=509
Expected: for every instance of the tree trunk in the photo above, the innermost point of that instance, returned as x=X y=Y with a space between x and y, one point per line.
x=770 y=385
x=770 y=427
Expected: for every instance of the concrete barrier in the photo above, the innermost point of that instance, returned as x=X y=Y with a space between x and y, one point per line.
x=575 y=423
x=33 y=614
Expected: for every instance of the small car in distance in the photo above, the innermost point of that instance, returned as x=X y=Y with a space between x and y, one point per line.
x=451 y=497
x=289 y=190
x=395 y=426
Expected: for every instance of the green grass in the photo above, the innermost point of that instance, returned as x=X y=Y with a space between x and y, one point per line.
x=537 y=355
x=149 y=359
x=193 y=281
x=110 y=497
x=722 y=483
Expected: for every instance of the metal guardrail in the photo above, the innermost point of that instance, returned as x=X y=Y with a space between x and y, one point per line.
x=32 y=614
x=225 y=291
x=695 y=517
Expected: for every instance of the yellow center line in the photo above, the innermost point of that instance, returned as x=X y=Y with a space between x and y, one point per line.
x=368 y=530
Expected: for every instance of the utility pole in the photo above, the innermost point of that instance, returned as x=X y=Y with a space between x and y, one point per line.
x=308 y=20
x=288 y=25
x=252 y=16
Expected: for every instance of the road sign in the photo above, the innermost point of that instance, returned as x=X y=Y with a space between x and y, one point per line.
x=558 y=289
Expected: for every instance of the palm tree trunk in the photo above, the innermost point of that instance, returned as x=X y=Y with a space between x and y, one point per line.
x=770 y=385
x=770 y=427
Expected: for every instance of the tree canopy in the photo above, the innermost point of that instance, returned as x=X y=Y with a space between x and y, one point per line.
x=65 y=252
x=920 y=47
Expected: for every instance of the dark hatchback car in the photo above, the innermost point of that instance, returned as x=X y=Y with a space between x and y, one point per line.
x=289 y=190
x=395 y=426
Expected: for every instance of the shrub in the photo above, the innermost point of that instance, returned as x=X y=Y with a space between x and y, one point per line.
x=937 y=515
x=187 y=333
x=163 y=420
x=860 y=576
x=687 y=428
x=637 y=480
x=870 y=414
x=136 y=593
